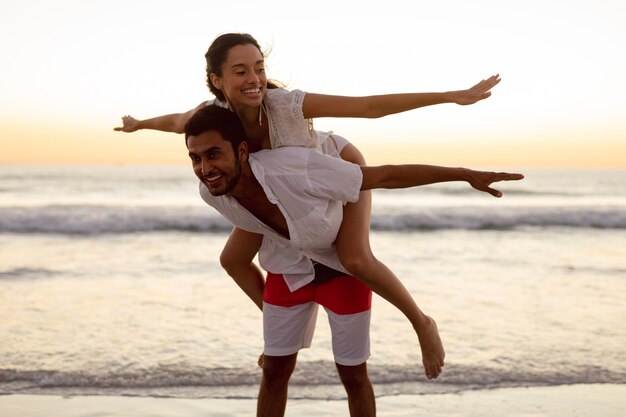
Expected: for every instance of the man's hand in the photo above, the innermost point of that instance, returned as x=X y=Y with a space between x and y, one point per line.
x=129 y=124
x=481 y=180
x=478 y=92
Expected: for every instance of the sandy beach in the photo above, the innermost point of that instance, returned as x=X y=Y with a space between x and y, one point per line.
x=601 y=400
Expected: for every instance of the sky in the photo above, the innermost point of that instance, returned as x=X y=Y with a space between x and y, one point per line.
x=70 y=69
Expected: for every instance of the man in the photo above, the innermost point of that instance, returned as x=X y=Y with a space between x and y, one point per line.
x=293 y=197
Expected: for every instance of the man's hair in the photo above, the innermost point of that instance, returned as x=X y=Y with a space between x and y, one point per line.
x=218 y=119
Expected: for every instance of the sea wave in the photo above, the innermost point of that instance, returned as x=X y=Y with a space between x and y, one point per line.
x=98 y=219
x=26 y=272
x=314 y=380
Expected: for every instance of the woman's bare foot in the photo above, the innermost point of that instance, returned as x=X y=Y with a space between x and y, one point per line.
x=432 y=349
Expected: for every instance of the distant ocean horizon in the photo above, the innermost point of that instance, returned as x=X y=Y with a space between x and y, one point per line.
x=110 y=284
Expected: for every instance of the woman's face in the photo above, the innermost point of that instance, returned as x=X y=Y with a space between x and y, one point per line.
x=243 y=79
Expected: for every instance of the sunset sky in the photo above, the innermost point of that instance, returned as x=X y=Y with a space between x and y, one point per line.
x=70 y=69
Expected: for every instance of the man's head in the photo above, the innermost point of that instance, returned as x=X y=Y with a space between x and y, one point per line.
x=216 y=142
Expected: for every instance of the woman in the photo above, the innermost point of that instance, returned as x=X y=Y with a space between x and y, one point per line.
x=273 y=117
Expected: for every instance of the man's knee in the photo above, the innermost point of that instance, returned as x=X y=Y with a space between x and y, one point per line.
x=353 y=377
x=278 y=369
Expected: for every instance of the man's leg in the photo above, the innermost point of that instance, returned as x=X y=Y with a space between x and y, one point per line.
x=273 y=393
x=361 y=399
x=348 y=304
x=288 y=326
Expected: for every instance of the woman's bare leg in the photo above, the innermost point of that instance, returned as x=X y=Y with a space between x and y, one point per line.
x=355 y=254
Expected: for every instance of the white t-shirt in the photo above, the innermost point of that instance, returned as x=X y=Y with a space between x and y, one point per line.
x=309 y=189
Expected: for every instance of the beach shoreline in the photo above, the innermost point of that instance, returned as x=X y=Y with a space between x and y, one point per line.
x=126 y=311
x=597 y=400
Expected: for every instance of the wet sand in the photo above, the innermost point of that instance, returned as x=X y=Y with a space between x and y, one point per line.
x=603 y=400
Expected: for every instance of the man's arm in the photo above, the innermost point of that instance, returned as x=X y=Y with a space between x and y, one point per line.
x=250 y=280
x=405 y=176
x=237 y=259
x=174 y=122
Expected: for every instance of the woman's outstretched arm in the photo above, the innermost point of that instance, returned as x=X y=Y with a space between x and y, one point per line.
x=322 y=105
x=174 y=122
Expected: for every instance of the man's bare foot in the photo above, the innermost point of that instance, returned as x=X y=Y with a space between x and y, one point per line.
x=432 y=349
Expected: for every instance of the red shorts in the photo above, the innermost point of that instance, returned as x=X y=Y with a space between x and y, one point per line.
x=289 y=317
x=341 y=295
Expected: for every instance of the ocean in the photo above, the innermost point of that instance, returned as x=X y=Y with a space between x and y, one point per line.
x=110 y=284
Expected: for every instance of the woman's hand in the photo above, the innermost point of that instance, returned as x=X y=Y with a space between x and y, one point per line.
x=129 y=124
x=476 y=93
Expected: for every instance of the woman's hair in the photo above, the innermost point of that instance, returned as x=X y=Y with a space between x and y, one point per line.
x=218 y=52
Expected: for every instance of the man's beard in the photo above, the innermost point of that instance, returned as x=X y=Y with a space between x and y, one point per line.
x=231 y=181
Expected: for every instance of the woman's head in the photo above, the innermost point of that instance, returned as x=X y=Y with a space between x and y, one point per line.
x=244 y=65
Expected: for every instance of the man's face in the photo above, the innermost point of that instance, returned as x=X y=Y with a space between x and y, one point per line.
x=214 y=162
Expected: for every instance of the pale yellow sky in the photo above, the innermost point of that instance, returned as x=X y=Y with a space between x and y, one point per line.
x=70 y=69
